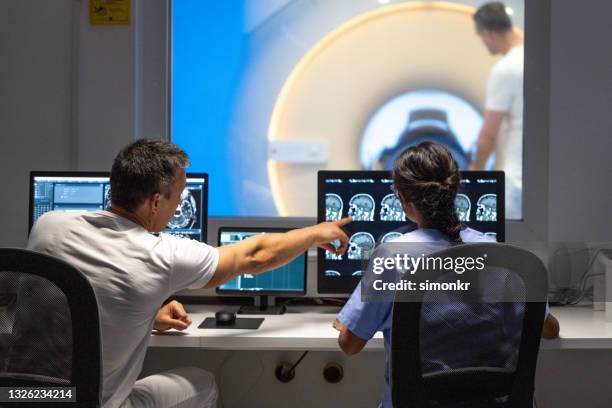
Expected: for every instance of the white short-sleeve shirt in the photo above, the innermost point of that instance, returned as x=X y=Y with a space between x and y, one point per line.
x=505 y=94
x=132 y=272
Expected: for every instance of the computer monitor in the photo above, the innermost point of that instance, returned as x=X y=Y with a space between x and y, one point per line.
x=378 y=217
x=90 y=191
x=288 y=280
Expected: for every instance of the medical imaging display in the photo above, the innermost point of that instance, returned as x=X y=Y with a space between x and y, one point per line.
x=361 y=207
x=463 y=206
x=375 y=210
x=391 y=209
x=378 y=215
x=72 y=191
x=289 y=278
x=486 y=209
x=67 y=193
x=333 y=207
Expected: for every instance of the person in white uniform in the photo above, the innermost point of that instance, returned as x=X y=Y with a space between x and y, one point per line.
x=133 y=271
x=502 y=130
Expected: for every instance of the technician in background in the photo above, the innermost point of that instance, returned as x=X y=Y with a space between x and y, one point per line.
x=502 y=130
x=133 y=271
x=426 y=179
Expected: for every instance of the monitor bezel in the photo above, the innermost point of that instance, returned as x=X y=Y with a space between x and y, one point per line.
x=346 y=284
x=38 y=173
x=244 y=293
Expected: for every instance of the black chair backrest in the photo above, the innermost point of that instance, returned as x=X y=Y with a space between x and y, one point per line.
x=491 y=334
x=49 y=327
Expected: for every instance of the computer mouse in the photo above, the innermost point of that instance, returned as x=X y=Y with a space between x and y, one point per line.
x=225 y=318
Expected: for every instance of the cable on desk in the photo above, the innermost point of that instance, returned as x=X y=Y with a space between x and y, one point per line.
x=578 y=294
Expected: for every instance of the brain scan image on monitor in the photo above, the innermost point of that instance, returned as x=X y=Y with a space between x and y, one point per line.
x=107 y=197
x=491 y=234
x=361 y=207
x=185 y=214
x=390 y=236
x=332 y=273
x=391 y=209
x=463 y=206
x=360 y=246
x=333 y=207
x=486 y=208
x=332 y=257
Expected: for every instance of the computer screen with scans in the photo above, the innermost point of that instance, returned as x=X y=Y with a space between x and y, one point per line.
x=289 y=279
x=90 y=191
x=378 y=217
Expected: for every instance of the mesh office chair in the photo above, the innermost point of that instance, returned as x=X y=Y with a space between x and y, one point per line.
x=49 y=328
x=471 y=349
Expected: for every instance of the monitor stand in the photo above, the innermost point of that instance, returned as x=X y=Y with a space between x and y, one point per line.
x=264 y=305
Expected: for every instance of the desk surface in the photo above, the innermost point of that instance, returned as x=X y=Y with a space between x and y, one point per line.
x=310 y=328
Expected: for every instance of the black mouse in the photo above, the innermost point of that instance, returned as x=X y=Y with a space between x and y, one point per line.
x=224 y=318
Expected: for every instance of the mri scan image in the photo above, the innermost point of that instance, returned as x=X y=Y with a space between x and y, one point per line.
x=333 y=207
x=491 y=234
x=391 y=209
x=360 y=246
x=390 y=236
x=332 y=257
x=185 y=214
x=107 y=197
x=486 y=208
x=463 y=205
x=332 y=273
x=357 y=273
x=361 y=207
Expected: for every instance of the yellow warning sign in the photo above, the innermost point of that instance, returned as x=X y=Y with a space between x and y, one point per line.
x=109 y=12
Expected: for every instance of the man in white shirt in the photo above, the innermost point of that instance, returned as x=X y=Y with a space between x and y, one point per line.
x=133 y=271
x=502 y=130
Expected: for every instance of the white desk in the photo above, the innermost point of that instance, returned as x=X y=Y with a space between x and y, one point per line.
x=301 y=328
x=310 y=328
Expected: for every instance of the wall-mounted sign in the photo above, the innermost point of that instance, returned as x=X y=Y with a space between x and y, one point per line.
x=109 y=12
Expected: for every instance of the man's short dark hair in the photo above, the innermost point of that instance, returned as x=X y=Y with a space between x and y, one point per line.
x=493 y=17
x=142 y=168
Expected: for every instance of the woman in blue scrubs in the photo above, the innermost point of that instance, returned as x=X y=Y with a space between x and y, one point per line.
x=426 y=179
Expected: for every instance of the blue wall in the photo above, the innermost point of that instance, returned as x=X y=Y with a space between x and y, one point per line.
x=208 y=48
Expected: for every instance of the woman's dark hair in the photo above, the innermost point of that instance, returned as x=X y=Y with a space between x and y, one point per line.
x=493 y=17
x=428 y=176
x=142 y=168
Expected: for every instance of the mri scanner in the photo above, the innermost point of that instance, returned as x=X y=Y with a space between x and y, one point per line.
x=378 y=83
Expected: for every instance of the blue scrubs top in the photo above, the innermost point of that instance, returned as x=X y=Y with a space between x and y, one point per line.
x=364 y=319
